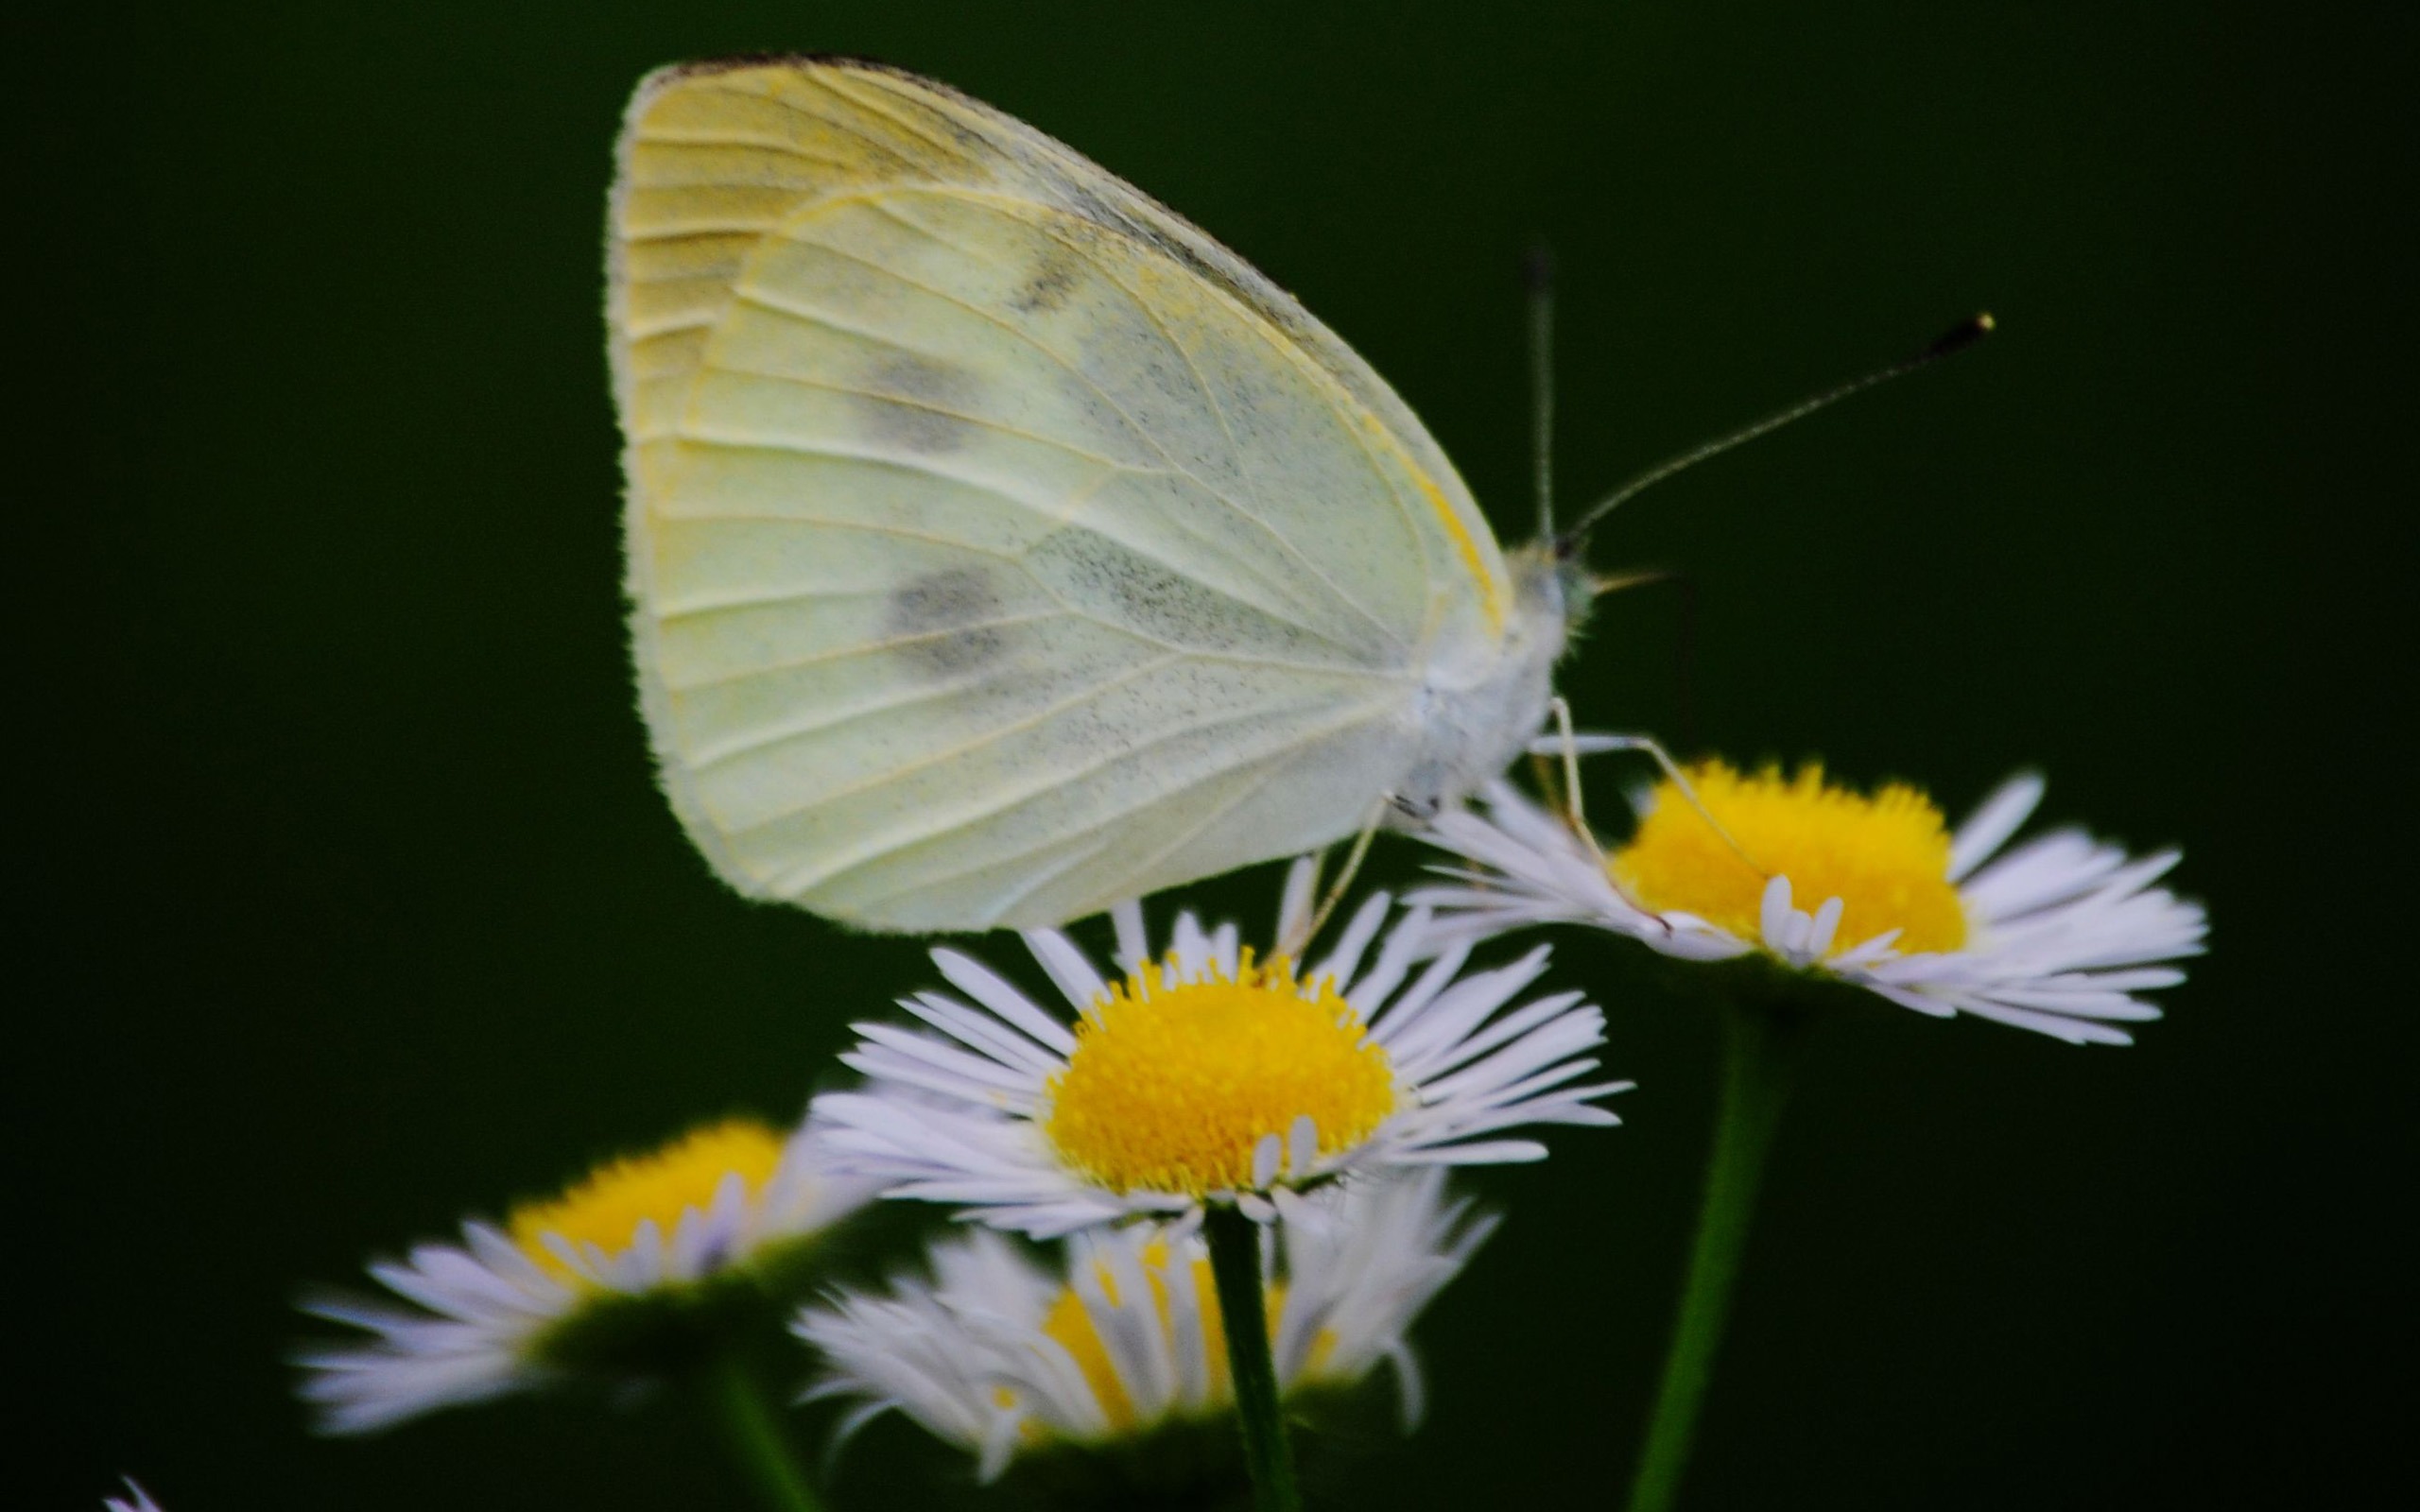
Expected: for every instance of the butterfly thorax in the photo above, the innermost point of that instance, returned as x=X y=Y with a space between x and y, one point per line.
x=1478 y=710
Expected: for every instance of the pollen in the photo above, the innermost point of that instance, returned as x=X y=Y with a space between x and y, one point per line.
x=1070 y=1324
x=1172 y=1084
x=1885 y=856
x=606 y=1207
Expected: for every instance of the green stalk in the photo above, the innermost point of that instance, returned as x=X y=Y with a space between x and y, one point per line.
x=755 y=1435
x=1759 y=1041
x=1235 y=1265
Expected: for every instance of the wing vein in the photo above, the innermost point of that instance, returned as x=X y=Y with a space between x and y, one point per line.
x=1349 y=668
x=1251 y=789
x=1043 y=715
x=1118 y=815
x=1048 y=875
x=998 y=804
x=823 y=523
x=832 y=84
x=1024 y=336
x=787 y=595
x=675 y=137
x=824 y=118
x=1244 y=461
x=731 y=748
x=638 y=331
x=691 y=434
x=984 y=421
x=1175 y=468
x=860 y=649
x=695 y=230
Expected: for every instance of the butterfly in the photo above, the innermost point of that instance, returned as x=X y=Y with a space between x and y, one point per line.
x=1001 y=548
x=999 y=545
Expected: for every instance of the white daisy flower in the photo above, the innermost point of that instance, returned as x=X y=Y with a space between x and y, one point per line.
x=515 y=1306
x=141 y=1500
x=1208 y=1075
x=999 y=1357
x=2058 y=935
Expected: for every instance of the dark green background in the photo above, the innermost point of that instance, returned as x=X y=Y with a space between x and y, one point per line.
x=350 y=906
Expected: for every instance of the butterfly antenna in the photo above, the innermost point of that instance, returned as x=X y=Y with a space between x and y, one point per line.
x=1947 y=345
x=1537 y=277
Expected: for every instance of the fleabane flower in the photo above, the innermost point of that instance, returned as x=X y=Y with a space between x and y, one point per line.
x=2060 y=934
x=1210 y=1075
x=135 y=1499
x=608 y=1278
x=1001 y=1357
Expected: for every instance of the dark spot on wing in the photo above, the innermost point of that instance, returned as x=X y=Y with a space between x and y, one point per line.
x=1129 y=590
x=1118 y=586
x=919 y=404
x=1048 y=287
x=941 y=620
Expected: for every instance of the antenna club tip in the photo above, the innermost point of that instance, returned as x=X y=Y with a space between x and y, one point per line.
x=1984 y=322
x=1966 y=333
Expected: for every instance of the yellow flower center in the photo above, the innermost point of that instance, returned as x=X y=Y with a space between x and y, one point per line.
x=1886 y=857
x=606 y=1207
x=1071 y=1325
x=1172 y=1084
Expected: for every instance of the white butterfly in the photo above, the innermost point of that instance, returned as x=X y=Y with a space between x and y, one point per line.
x=1000 y=547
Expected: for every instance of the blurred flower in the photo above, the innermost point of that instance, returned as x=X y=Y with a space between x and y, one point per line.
x=2057 y=936
x=616 y=1278
x=142 y=1499
x=999 y=1357
x=1209 y=1075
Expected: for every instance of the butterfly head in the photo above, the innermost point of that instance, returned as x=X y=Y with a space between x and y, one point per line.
x=1553 y=590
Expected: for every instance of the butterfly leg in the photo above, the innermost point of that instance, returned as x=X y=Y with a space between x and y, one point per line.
x=1292 y=947
x=1565 y=744
x=1296 y=941
x=1571 y=747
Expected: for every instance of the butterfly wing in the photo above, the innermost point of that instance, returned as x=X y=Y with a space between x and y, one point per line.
x=999 y=545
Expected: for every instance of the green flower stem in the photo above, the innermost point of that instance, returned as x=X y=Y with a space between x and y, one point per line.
x=756 y=1434
x=1235 y=1265
x=1759 y=1044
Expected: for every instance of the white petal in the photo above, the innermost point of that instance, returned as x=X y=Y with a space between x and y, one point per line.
x=990 y=990
x=1266 y=1153
x=2000 y=815
x=1294 y=905
x=1075 y=976
x=1303 y=1147
x=1775 y=912
x=1346 y=959
x=1133 y=945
